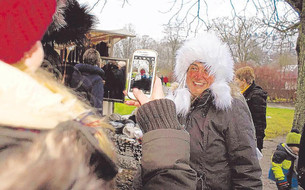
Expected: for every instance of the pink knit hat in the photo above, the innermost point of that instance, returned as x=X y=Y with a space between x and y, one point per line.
x=22 y=23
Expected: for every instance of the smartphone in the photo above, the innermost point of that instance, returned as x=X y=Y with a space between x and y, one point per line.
x=142 y=72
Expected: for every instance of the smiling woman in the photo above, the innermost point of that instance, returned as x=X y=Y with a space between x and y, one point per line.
x=215 y=114
x=198 y=78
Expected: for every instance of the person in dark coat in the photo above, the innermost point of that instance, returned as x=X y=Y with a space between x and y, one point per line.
x=301 y=162
x=256 y=99
x=114 y=81
x=87 y=79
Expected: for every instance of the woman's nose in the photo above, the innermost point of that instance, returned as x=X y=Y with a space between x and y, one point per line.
x=202 y=75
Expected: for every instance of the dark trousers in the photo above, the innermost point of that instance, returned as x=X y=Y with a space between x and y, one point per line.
x=260 y=142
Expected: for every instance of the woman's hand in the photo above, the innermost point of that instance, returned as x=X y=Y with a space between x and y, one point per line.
x=157 y=93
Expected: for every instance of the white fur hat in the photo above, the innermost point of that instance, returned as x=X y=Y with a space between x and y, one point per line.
x=215 y=55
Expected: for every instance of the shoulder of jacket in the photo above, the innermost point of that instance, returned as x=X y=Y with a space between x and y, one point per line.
x=280 y=148
x=258 y=90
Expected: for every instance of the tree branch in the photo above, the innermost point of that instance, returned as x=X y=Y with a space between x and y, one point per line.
x=296 y=5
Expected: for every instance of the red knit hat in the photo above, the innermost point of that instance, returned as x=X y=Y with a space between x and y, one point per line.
x=22 y=23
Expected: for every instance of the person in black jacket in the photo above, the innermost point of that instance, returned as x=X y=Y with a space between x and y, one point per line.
x=256 y=99
x=87 y=79
x=114 y=81
x=301 y=162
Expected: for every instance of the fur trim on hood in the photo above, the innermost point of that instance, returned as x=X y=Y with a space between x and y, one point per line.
x=70 y=148
x=216 y=57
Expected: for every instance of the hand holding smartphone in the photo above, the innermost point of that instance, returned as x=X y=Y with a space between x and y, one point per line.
x=142 y=72
x=141 y=98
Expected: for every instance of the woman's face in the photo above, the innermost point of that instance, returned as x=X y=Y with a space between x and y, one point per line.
x=241 y=83
x=34 y=57
x=198 y=78
x=295 y=149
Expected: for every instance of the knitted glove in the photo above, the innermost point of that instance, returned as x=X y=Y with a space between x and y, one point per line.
x=158 y=114
x=283 y=185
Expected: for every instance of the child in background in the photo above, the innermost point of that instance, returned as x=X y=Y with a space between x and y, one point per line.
x=284 y=160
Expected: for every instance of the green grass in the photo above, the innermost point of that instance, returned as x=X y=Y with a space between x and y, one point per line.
x=279 y=122
x=123 y=109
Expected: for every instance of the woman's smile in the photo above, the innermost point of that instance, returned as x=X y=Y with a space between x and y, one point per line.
x=198 y=78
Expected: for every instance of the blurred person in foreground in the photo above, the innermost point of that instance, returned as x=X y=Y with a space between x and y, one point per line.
x=216 y=116
x=284 y=162
x=48 y=138
x=256 y=99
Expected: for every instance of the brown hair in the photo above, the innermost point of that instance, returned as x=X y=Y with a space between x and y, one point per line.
x=91 y=57
x=246 y=73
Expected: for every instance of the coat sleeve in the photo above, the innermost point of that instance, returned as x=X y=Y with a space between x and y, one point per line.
x=165 y=161
x=241 y=145
x=276 y=164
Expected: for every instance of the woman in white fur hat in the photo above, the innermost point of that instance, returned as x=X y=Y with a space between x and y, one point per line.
x=223 y=146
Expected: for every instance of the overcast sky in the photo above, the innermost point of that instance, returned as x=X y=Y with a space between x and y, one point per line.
x=147 y=16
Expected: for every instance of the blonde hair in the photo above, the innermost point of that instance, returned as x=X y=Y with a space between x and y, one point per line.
x=246 y=73
x=74 y=106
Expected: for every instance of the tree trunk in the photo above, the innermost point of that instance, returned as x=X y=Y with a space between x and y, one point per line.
x=299 y=115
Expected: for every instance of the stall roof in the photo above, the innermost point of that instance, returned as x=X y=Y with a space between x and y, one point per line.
x=108 y=36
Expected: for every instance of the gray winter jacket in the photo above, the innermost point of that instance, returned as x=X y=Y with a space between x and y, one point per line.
x=165 y=162
x=223 y=146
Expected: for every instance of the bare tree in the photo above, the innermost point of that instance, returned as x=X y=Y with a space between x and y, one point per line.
x=168 y=47
x=103 y=4
x=125 y=47
x=243 y=36
x=286 y=16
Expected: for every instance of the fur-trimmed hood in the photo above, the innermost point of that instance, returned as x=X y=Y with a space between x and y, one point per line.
x=216 y=57
x=91 y=69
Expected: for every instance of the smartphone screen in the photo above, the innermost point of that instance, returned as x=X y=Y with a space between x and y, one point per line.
x=142 y=71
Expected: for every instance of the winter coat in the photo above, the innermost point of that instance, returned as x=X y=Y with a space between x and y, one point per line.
x=301 y=162
x=165 y=163
x=79 y=158
x=256 y=100
x=15 y=139
x=283 y=166
x=114 y=82
x=88 y=81
x=223 y=148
